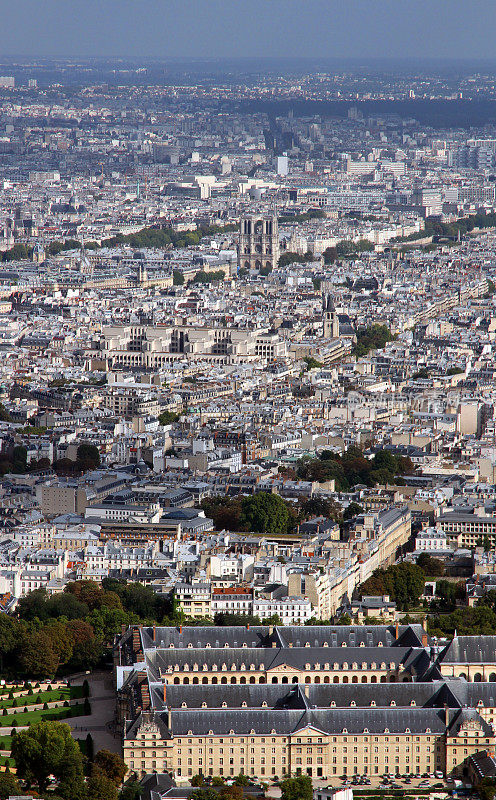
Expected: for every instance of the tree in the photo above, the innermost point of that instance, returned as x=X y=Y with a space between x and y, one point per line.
x=487 y=789
x=177 y=278
x=9 y=786
x=37 y=655
x=403 y=582
x=88 y=456
x=299 y=788
x=100 y=787
x=204 y=793
x=130 y=791
x=311 y=363
x=266 y=513
x=168 y=417
x=32 y=605
x=226 y=512
x=352 y=510
x=431 y=567
x=112 y=766
x=47 y=748
x=322 y=507
x=197 y=780
x=4 y=414
x=372 y=338
x=19 y=459
x=330 y=255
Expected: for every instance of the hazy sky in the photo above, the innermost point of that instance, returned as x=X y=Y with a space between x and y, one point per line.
x=218 y=28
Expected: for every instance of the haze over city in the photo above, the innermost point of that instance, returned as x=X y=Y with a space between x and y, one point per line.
x=361 y=29
x=247 y=400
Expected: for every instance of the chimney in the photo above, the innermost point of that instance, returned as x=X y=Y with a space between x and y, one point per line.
x=154 y=632
x=165 y=691
x=424 y=640
x=446 y=715
x=180 y=629
x=397 y=631
x=169 y=718
x=307 y=689
x=248 y=627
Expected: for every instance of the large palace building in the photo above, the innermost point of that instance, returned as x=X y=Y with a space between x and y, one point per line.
x=327 y=701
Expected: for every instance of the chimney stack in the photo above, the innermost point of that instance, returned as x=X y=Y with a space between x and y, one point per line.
x=397 y=631
x=154 y=632
x=165 y=692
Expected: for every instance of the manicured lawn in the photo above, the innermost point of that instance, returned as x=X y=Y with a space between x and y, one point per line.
x=50 y=696
x=26 y=718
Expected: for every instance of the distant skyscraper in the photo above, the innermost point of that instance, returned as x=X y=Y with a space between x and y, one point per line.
x=282 y=165
x=258 y=243
x=32 y=83
x=7 y=82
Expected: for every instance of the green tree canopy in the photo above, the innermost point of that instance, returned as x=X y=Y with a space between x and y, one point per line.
x=112 y=765
x=266 y=513
x=298 y=788
x=9 y=786
x=44 y=749
x=403 y=582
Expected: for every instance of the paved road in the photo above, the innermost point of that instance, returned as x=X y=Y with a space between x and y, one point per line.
x=100 y=723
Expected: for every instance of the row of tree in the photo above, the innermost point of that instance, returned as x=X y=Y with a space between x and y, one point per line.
x=352 y=468
x=269 y=513
x=16 y=460
x=166 y=238
x=74 y=630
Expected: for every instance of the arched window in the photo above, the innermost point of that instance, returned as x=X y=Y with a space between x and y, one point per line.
x=274 y=679
x=477 y=677
x=223 y=680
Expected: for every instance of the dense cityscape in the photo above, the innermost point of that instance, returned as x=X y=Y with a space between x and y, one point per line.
x=247 y=430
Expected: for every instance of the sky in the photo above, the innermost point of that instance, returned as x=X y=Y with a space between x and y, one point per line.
x=253 y=28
